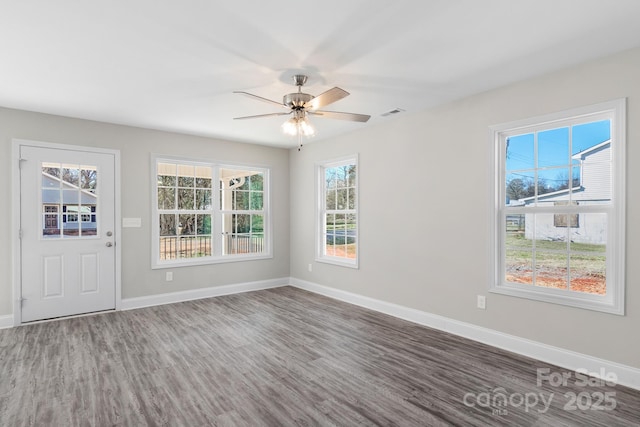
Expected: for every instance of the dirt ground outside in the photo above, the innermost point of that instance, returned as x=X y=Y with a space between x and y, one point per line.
x=588 y=282
x=557 y=278
x=342 y=251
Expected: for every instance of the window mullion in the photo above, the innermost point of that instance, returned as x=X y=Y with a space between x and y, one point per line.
x=216 y=228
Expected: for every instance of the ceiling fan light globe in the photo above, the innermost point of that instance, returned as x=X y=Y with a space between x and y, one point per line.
x=305 y=127
x=290 y=127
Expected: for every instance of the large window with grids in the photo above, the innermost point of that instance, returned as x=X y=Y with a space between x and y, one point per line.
x=337 y=212
x=559 y=208
x=207 y=212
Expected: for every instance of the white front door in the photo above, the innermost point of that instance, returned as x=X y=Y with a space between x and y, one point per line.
x=67 y=221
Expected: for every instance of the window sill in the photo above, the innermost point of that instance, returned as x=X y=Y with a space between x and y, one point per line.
x=339 y=262
x=589 y=302
x=209 y=261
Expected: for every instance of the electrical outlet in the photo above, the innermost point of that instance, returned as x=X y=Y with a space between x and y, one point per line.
x=310 y=267
x=168 y=276
x=482 y=302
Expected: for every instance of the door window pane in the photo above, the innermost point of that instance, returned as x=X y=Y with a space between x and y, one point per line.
x=51 y=221
x=71 y=175
x=69 y=200
x=88 y=179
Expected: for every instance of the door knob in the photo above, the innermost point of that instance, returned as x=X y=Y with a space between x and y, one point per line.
x=109 y=233
x=109 y=244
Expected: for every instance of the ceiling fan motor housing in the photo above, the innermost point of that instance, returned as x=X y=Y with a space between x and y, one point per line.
x=302 y=104
x=296 y=100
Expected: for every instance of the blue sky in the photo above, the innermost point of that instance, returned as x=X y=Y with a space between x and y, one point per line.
x=553 y=145
x=554 y=162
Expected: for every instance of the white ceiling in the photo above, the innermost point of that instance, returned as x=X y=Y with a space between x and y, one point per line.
x=173 y=65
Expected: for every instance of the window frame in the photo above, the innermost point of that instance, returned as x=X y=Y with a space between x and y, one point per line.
x=321 y=211
x=217 y=256
x=613 y=301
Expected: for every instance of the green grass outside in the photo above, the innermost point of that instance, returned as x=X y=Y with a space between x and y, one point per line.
x=517 y=240
x=591 y=261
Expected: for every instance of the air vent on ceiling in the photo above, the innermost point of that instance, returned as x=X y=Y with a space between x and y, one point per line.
x=394 y=111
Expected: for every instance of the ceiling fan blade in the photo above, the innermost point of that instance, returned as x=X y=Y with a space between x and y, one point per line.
x=353 y=117
x=326 y=98
x=259 y=98
x=262 y=115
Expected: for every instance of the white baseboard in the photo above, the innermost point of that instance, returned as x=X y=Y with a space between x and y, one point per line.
x=627 y=375
x=6 y=321
x=194 y=294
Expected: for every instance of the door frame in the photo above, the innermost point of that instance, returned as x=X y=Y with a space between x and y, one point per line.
x=15 y=217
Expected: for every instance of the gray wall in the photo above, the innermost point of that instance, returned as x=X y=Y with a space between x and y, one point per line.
x=135 y=146
x=425 y=208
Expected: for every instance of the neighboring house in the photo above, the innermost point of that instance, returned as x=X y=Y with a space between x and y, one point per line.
x=594 y=188
x=68 y=207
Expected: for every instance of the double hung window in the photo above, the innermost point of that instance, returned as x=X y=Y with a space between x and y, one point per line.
x=337 y=212
x=559 y=208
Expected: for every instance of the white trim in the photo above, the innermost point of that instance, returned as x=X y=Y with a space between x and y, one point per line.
x=194 y=294
x=6 y=321
x=558 y=118
x=16 y=259
x=117 y=206
x=15 y=214
x=614 y=300
x=73 y=316
x=627 y=375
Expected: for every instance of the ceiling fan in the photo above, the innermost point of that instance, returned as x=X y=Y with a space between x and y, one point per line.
x=301 y=105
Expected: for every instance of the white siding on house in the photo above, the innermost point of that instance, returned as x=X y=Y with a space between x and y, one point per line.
x=594 y=189
x=592 y=228
x=595 y=176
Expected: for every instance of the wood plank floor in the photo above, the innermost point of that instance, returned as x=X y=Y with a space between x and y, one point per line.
x=279 y=357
